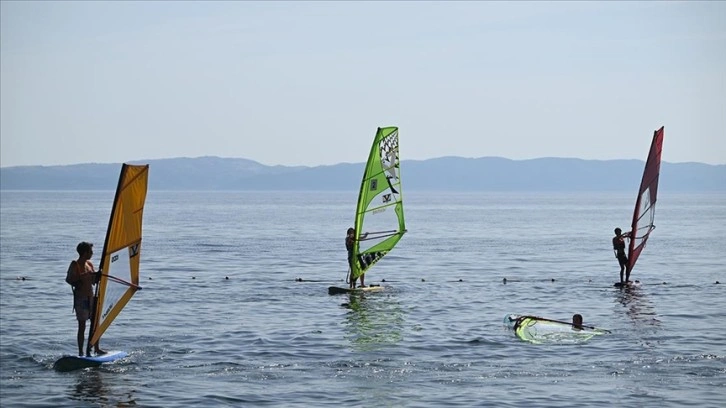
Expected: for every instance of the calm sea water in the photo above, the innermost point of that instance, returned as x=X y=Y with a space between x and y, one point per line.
x=222 y=321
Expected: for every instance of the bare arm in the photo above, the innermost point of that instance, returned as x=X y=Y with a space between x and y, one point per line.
x=91 y=269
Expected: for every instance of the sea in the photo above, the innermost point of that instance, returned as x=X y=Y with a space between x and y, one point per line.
x=235 y=311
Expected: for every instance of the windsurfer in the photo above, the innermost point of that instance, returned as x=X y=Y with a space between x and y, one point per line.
x=350 y=239
x=577 y=321
x=83 y=275
x=619 y=249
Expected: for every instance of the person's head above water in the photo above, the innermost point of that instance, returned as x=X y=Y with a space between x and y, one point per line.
x=84 y=248
x=577 y=321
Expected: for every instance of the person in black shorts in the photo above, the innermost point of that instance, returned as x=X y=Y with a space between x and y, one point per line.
x=619 y=249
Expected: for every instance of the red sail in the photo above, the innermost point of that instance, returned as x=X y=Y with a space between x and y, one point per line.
x=644 y=213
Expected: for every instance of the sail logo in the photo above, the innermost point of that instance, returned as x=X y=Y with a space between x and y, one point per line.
x=114 y=258
x=374 y=185
x=133 y=250
x=108 y=310
x=387 y=198
x=367 y=260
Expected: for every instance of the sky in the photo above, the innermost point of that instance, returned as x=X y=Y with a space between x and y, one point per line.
x=308 y=83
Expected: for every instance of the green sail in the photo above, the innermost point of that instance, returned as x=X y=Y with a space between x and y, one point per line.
x=379 y=213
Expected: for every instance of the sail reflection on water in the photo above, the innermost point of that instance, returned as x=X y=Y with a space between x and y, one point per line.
x=374 y=321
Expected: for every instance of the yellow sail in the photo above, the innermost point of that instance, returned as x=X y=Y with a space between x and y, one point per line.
x=122 y=249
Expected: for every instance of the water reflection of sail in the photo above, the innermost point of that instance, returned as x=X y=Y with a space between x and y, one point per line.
x=372 y=322
x=637 y=306
x=91 y=388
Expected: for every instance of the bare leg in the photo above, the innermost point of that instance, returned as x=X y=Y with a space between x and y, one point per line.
x=627 y=272
x=362 y=281
x=92 y=306
x=351 y=285
x=97 y=349
x=80 y=336
x=90 y=334
x=622 y=269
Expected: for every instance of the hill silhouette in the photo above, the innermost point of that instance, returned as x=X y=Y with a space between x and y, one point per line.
x=444 y=174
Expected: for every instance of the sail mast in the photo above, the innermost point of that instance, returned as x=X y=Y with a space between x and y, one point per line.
x=121 y=252
x=644 y=212
x=94 y=307
x=379 y=211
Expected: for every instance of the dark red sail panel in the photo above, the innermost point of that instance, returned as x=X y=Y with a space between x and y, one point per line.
x=644 y=213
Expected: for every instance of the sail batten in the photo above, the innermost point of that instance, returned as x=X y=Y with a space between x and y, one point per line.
x=644 y=212
x=121 y=255
x=379 y=212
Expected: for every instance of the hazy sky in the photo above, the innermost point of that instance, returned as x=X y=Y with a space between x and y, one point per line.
x=308 y=83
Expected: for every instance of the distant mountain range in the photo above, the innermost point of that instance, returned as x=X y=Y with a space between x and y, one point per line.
x=445 y=173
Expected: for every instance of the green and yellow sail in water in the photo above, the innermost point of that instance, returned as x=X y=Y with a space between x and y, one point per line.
x=379 y=212
x=540 y=330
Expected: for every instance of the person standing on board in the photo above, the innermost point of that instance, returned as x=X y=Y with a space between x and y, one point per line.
x=82 y=276
x=619 y=249
x=350 y=239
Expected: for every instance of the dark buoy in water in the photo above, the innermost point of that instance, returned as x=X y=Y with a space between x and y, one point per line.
x=298 y=280
x=226 y=278
x=383 y=280
x=423 y=280
x=717 y=282
x=194 y=277
x=504 y=281
x=553 y=279
x=461 y=280
x=149 y=277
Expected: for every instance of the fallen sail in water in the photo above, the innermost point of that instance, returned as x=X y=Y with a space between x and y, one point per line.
x=540 y=330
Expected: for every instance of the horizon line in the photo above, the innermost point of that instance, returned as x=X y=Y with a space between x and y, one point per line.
x=339 y=163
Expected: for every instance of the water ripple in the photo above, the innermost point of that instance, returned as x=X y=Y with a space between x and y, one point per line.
x=235 y=311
